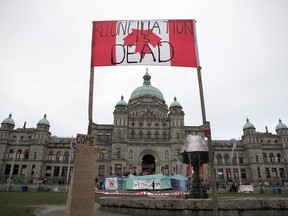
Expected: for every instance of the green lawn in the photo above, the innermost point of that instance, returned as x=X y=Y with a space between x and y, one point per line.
x=24 y=203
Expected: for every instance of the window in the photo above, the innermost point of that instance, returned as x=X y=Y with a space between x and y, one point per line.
x=234 y=159
x=101 y=170
x=48 y=171
x=10 y=155
x=7 y=169
x=119 y=154
x=18 y=154
x=16 y=169
x=257 y=159
x=226 y=158
x=165 y=136
x=58 y=156
x=35 y=156
x=265 y=158
x=50 y=156
x=235 y=173
x=219 y=158
x=274 y=173
x=156 y=134
x=228 y=173
x=148 y=134
x=281 y=172
x=33 y=169
x=56 y=171
x=26 y=154
x=166 y=155
x=258 y=172
x=220 y=174
x=132 y=134
x=64 y=171
x=118 y=169
x=23 y=170
x=267 y=172
x=278 y=158
x=66 y=156
x=130 y=154
x=241 y=158
x=141 y=134
x=243 y=173
x=271 y=157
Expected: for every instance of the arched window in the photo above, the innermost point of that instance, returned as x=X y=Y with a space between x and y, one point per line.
x=166 y=155
x=118 y=154
x=18 y=154
x=271 y=157
x=234 y=159
x=99 y=136
x=226 y=158
x=132 y=134
x=58 y=156
x=50 y=156
x=156 y=134
x=241 y=158
x=10 y=155
x=140 y=134
x=130 y=154
x=219 y=158
x=278 y=158
x=26 y=154
x=165 y=135
x=148 y=134
x=264 y=157
x=35 y=155
x=66 y=156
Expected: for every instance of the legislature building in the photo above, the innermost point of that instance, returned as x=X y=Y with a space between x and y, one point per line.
x=145 y=137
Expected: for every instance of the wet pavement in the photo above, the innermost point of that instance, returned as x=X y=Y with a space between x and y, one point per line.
x=59 y=210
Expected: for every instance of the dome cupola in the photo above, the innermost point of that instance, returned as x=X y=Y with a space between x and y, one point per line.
x=147 y=89
x=280 y=125
x=175 y=103
x=248 y=125
x=121 y=102
x=44 y=121
x=9 y=120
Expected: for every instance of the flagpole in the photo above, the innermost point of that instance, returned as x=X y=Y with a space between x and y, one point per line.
x=205 y=124
x=90 y=105
x=69 y=165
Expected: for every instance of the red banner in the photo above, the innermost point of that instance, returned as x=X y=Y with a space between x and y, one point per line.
x=149 y=42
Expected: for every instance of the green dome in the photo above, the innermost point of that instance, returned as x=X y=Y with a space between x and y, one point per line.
x=9 y=120
x=175 y=103
x=248 y=125
x=281 y=125
x=121 y=102
x=44 y=121
x=147 y=89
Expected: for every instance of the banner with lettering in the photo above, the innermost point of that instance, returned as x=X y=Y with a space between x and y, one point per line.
x=144 y=42
x=146 y=184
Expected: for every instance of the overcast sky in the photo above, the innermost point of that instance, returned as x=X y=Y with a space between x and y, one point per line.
x=45 y=49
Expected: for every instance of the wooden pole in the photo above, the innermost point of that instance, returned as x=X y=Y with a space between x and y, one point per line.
x=210 y=147
x=90 y=105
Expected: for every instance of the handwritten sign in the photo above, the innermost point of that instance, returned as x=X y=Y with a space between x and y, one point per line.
x=80 y=200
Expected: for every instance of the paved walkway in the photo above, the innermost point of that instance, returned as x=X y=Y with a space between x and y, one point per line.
x=59 y=210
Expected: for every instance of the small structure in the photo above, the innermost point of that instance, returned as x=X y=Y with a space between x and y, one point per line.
x=195 y=153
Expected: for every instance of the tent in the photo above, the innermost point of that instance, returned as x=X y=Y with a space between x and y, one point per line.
x=145 y=182
x=179 y=182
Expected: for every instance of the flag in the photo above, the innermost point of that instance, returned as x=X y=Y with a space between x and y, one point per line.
x=233 y=149
x=148 y=42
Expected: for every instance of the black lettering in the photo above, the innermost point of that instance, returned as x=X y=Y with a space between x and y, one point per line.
x=113 y=55
x=130 y=53
x=143 y=53
x=162 y=44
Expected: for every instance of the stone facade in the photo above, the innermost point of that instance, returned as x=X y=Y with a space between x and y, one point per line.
x=146 y=137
